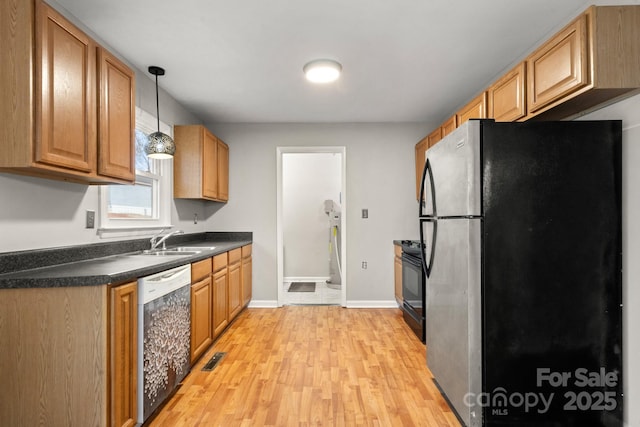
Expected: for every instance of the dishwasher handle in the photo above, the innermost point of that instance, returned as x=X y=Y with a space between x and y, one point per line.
x=166 y=276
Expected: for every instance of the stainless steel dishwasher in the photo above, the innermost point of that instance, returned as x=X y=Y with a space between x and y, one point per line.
x=164 y=332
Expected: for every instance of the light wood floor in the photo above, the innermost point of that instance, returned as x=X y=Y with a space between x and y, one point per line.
x=312 y=366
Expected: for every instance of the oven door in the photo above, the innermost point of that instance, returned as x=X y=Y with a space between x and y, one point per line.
x=413 y=293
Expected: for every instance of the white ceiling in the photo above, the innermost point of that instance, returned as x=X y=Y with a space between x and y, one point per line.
x=403 y=60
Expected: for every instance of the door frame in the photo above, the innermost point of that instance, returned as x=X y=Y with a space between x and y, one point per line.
x=280 y=151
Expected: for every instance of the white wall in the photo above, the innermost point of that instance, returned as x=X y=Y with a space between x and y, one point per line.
x=379 y=176
x=308 y=179
x=629 y=111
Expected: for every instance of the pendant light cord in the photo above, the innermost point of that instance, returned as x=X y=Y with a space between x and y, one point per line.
x=157 y=104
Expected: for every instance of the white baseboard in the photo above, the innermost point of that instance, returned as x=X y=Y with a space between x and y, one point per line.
x=305 y=279
x=372 y=304
x=350 y=304
x=263 y=304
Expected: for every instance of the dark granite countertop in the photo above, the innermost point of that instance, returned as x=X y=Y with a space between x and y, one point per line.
x=106 y=263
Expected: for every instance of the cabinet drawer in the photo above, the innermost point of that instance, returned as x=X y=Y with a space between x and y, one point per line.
x=200 y=269
x=219 y=262
x=235 y=255
x=246 y=251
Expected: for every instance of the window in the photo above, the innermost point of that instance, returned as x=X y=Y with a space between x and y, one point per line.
x=132 y=209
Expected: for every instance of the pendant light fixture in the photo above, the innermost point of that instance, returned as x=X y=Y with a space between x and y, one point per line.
x=160 y=145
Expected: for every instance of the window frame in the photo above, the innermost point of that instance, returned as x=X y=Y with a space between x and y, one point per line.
x=162 y=184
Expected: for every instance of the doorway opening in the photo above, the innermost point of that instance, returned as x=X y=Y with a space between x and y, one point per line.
x=311 y=225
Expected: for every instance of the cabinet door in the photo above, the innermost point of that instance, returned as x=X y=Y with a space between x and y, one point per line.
x=559 y=67
x=210 y=166
x=235 y=285
x=65 y=83
x=219 y=302
x=247 y=271
x=507 y=97
x=434 y=137
x=116 y=118
x=421 y=148
x=397 y=273
x=476 y=109
x=201 y=317
x=448 y=126
x=123 y=324
x=223 y=171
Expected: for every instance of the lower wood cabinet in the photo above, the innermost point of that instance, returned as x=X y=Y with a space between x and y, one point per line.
x=397 y=273
x=235 y=283
x=219 y=282
x=123 y=348
x=201 y=308
x=247 y=268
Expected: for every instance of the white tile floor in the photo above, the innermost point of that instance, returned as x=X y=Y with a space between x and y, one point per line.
x=322 y=295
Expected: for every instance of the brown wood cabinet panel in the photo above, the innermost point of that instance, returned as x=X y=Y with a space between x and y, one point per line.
x=434 y=137
x=449 y=126
x=220 y=262
x=53 y=362
x=123 y=343
x=235 y=283
x=201 y=317
x=560 y=66
x=223 y=171
x=506 y=98
x=200 y=269
x=247 y=273
x=65 y=84
x=475 y=109
x=220 y=316
x=397 y=273
x=210 y=166
x=116 y=118
x=421 y=148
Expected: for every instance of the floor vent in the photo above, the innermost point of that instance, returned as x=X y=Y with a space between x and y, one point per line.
x=213 y=362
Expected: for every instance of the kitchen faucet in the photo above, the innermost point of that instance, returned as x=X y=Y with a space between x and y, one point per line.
x=155 y=242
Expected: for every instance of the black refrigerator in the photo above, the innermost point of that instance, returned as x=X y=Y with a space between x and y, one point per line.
x=522 y=228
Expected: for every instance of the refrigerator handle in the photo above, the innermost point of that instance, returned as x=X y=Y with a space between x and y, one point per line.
x=426 y=267
x=427 y=174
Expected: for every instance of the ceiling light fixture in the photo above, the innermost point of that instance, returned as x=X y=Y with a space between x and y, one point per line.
x=322 y=70
x=160 y=145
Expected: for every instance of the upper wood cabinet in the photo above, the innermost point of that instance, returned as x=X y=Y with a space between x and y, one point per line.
x=223 y=171
x=476 y=109
x=506 y=98
x=116 y=117
x=200 y=165
x=421 y=148
x=560 y=66
x=49 y=78
x=594 y=59
x=448 y=126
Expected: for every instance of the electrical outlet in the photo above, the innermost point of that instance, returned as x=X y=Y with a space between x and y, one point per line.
x=365 y=213
x=91 y=219
x=364 y=265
